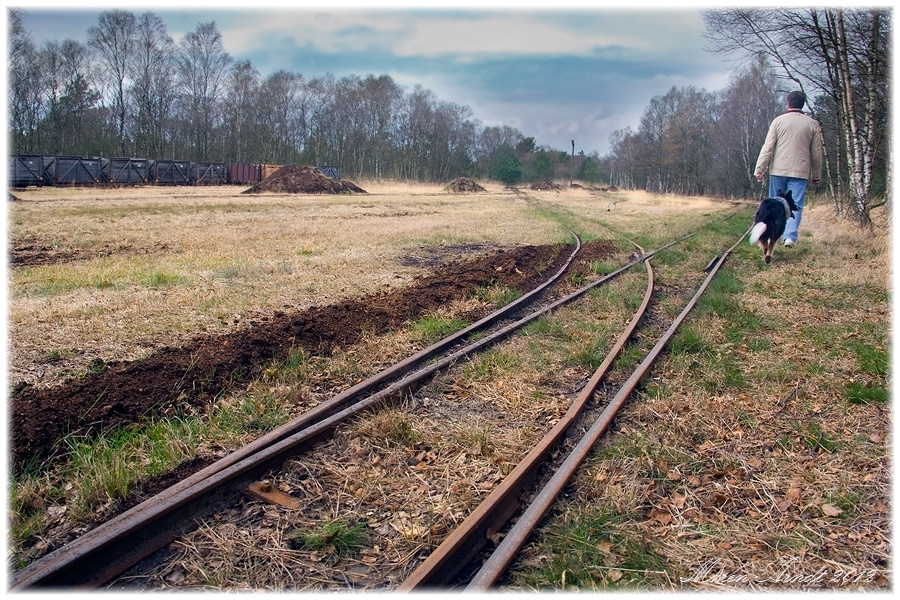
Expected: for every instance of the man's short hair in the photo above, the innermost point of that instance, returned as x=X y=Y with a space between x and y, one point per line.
x=796 y=99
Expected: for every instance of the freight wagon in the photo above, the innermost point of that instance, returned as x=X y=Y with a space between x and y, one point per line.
x=41 y=170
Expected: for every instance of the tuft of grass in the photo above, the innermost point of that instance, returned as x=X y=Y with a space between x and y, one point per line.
x=860 y=393
x=604 y=267
x=590 y=550
x=497 y=295
x=433 y=328
x=338 y=537
x=872 y=360
x=254 y=413
x=689 y=340
x=474 y=438
x=812 y=435
x=160 y=279
x=390 y=427
x=493 y=363
x=294 y=366
x=107 y=467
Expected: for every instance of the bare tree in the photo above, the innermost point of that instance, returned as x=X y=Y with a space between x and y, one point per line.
x=153 y=92
x=24 y=93
x=114 y=39
x=202 y=64
x=841 y=54
x=316 y=97
x=277 y=110
x=653 y=129
x=747 y=106
x=380 y=98
x=69 y=97
x=688 y=140
x=242 y=142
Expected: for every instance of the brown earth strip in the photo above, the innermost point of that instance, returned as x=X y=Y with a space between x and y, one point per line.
x=195 y=374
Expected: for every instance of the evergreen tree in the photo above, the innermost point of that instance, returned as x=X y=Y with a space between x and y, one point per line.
x=507 y=167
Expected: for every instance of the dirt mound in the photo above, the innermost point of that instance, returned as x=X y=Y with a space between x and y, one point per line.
x=545 y=185
x=199 y=372
x=294 y=179
x=463 y=185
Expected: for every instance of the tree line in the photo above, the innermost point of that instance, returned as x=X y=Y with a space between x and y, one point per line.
x=132 y=91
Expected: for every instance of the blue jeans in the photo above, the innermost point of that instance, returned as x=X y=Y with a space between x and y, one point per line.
x=797 y=187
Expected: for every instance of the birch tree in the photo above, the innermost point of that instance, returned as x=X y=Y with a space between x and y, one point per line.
x=843 y=55
x=202 y=65
x=153 y=91
x=114 y=39
x=24 y=93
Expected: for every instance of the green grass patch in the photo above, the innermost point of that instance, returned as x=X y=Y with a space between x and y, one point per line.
x=432 y=328
x=688 y=340
x=860 y=393
x=106 y=467
x=341 y=538
x=872 y=360
x=491 y=364
x=254 y=413
x=497 y=295
x=546 y=326
x=589 y=550
x=814 y=438
x=159 y=279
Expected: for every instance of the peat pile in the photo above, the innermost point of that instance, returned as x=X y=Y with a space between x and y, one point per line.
x=463 y=185
x=296 y=179
x=197 y=373
x=545 y=185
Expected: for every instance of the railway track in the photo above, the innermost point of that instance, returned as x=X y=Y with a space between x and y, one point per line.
x=107 y=551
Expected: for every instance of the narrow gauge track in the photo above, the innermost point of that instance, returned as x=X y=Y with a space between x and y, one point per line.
x=465 y=543
x=108 y=550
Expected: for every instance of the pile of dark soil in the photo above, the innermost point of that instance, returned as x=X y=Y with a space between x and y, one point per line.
x=197 y=373
x=545 y=185
x=295 y=179
x=463 y=185
x=611 y=188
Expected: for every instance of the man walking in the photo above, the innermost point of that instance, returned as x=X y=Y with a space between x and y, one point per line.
x=792 y=155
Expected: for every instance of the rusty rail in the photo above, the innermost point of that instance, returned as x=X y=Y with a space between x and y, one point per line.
x=461 y=547
x=127 y=538
x=466 y=541
x=122 y=542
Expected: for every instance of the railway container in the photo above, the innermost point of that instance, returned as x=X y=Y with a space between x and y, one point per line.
x=268 y=169
x=126 y=171
x=26 y=170
x=209 y=173
x=330 y=171
x=73 y=170
x=170 y=172
x=243 y=173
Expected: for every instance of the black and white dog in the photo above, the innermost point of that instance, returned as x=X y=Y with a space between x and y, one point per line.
x=770 y=220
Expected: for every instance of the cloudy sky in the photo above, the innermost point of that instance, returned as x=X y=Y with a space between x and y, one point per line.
x=558 y=71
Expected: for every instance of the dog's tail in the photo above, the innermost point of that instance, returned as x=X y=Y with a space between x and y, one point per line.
x=757 y=232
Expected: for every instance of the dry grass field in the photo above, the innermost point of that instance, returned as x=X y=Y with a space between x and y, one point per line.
x=762 y=438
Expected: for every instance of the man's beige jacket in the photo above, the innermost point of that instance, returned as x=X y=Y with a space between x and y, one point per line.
x=793 y=147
